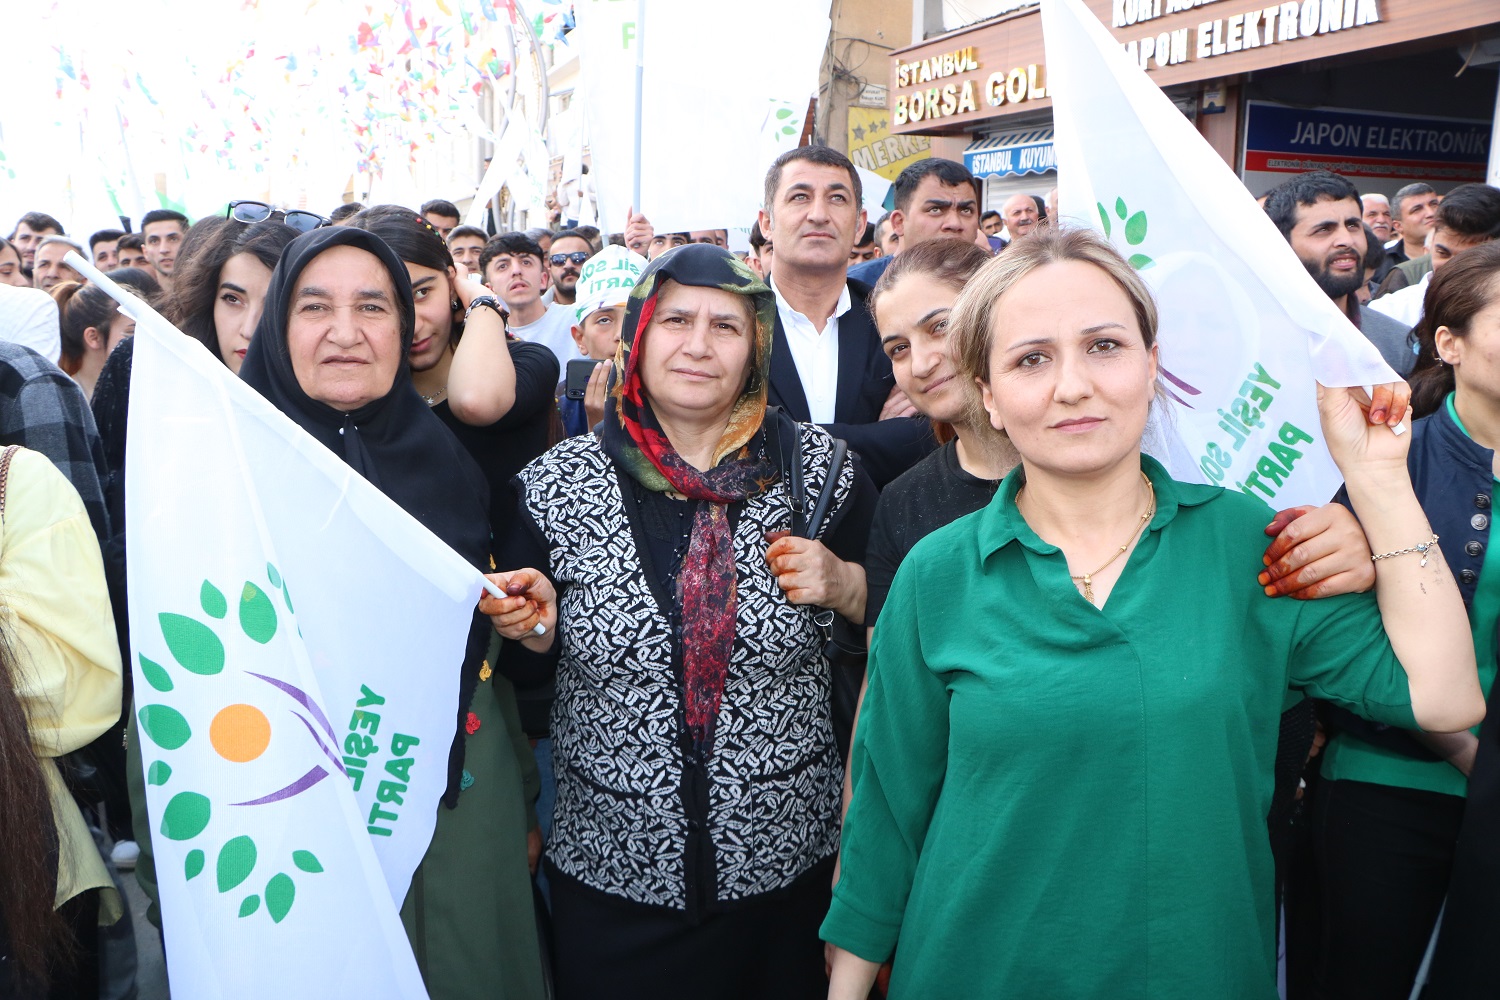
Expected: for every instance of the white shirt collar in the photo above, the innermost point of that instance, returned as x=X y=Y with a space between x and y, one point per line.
x=845 y=303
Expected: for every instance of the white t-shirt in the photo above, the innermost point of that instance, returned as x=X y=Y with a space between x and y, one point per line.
x=1404 y=304
x=28 y=317
x=554 y=331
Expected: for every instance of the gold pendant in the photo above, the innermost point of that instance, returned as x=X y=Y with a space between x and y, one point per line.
x=1088 y=588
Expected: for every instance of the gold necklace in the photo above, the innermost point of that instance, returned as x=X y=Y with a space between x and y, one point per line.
x=435 y=398
x=1088 y=578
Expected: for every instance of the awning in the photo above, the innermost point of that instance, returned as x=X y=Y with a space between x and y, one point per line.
x=1025 y=151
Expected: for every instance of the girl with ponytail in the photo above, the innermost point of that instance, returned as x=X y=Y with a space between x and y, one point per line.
x=91 y=326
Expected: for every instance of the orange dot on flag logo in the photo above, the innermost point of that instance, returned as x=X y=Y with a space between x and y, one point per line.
x=240 y=733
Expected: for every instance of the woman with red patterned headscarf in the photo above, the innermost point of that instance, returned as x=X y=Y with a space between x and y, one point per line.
x=698 y=778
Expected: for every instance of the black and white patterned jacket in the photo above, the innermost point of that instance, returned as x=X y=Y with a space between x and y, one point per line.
x=621 y=824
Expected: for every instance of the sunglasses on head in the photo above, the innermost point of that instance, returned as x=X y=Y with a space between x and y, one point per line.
x=259 y=211
x=577 y=257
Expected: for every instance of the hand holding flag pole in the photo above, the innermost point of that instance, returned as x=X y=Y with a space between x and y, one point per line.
x=522 y=610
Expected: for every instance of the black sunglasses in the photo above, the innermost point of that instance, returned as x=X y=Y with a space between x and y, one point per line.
x=577 y=257
x=259 y=211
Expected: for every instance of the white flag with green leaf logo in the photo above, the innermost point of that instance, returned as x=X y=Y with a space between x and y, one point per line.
x=295 y=639
x=1245 y=330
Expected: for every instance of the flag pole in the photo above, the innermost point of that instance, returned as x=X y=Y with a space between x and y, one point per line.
x=640 y=63
x=130 y=304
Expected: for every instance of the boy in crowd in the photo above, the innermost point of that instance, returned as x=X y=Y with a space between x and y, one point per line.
x=441 y=215
x=466 y=243
x=130 y=251
x=512 y=265
x=162 y=231
x=759 y=257
x=603 y=288
x=865 y=248
x=103 y=247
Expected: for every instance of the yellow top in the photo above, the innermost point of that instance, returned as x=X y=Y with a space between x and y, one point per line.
x=56 y=614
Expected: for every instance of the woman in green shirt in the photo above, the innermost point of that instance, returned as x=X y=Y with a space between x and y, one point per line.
x=1109 y=710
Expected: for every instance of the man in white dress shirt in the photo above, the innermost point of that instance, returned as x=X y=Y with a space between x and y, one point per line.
x=826 y=363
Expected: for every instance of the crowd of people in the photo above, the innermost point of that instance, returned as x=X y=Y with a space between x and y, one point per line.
x=852 y=641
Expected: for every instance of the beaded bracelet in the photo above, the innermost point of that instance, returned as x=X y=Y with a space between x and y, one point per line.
x=1421 y=547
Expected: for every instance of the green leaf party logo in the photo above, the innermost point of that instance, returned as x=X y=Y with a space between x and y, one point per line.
x=1135 y=230
x=239 y=733
x=782 y=118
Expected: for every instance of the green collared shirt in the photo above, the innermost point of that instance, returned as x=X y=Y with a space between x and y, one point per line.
x=1053 y=799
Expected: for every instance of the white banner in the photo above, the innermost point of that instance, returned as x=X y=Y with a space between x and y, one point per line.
x=295 y=640
x=699 y=167
x=519 y=159
x=504 y=164
x=1244 y=328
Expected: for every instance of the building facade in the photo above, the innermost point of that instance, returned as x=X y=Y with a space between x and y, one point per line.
x=1384 y=91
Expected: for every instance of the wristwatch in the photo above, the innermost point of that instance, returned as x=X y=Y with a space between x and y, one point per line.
x=487 y=302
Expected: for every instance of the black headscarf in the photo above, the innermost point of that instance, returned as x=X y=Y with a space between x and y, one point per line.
x=396 y=442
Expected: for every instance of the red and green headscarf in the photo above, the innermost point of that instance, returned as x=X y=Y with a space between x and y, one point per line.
x=634 y=438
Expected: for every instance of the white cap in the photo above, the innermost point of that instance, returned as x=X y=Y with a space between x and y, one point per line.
x=606 y=281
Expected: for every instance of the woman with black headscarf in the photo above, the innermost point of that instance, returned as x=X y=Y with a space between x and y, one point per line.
x=697 y=776
x=330 y=353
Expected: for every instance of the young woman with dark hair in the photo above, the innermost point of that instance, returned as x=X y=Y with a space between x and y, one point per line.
x=91 y=326
x=220 y=282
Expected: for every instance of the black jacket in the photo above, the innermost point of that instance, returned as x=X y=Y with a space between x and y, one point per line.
x=886 y=448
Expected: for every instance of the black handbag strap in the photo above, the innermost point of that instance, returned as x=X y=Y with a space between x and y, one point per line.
x=798 y=488
x=825 y=495
x=803 y=524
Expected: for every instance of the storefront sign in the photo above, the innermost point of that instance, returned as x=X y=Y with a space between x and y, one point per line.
x=1020 y=84
x=872 y=146
x=1014 y=155
x=1238 y=32
x=960 y=81
x=1362 y=144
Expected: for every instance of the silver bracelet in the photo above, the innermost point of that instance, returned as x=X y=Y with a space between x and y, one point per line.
x=1421 y=547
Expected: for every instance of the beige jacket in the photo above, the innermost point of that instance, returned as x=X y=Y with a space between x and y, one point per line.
x=55 y=611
